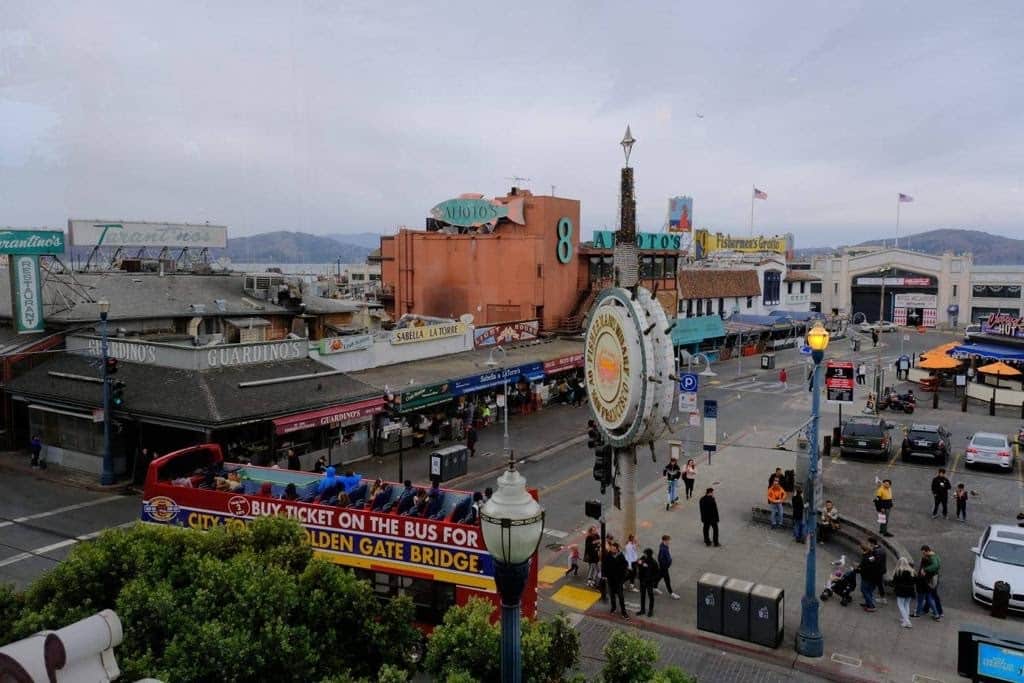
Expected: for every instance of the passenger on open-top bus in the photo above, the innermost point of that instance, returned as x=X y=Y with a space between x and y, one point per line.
x=351 y=481
x=329 y=486
x=406 y=499
x=379 y=495
x=320 y=466
x=378 y=486
x=343 y=500
x=473 y=514
x=266 y=490
x=230 y=483
x=419 y=504
x=290 y=493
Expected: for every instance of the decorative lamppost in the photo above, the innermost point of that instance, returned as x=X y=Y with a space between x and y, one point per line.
x=809 y=641
x=107 y=477
x=495 y=364
x=512 y=522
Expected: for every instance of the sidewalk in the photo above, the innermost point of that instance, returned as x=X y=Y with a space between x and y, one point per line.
x=18 y=461
x=858 y=645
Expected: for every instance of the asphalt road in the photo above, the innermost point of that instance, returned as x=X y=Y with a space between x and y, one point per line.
x=41 y=521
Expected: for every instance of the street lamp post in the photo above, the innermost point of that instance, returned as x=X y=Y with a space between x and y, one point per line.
x=512 y=522
x=107 y=477
x=504 y=384
x=809 y=641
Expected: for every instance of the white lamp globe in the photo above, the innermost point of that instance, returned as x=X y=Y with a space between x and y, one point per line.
x=512 y=521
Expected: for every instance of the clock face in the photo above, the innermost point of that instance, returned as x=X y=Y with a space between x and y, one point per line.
x=626 y=371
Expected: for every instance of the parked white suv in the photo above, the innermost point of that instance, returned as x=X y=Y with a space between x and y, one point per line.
x=999 y=556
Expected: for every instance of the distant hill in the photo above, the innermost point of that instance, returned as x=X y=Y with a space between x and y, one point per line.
x=370 y=240
x=988 y=249
x=292 y=247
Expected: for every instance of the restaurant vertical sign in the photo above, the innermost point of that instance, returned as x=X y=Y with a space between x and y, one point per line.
x=23 y=248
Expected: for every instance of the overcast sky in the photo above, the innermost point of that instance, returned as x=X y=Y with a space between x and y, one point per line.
x=343 y=117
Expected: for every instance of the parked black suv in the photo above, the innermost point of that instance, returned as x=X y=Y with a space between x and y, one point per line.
x=929 y=441
x=866 y=436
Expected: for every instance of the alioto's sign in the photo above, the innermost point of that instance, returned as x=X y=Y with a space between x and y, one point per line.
x=605 y=239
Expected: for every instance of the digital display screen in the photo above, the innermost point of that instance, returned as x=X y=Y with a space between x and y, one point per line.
x=998 y=663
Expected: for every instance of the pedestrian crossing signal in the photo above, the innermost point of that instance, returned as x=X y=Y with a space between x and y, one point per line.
x=117 y=394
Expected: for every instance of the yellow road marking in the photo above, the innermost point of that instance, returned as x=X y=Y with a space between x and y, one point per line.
x=559 y=484
x=550 y=574
x=575 y=598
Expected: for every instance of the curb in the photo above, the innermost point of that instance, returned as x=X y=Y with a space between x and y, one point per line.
x=775 y=658
x=59 y=475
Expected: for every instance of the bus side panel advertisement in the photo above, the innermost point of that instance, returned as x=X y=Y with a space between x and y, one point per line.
x=351 y=536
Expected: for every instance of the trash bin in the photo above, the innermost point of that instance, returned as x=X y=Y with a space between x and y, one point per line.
x=1000 y=599
x=448 y=463
x=736 y=608
x=709 y=602
x=768 y=361
x=767 y=615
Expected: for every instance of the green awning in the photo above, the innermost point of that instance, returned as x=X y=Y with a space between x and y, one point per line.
x=695 y=330
x=422 y=397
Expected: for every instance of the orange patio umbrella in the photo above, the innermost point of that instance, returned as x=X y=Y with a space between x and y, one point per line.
x=939 y=350
x=938 y=362
x=1000 y=369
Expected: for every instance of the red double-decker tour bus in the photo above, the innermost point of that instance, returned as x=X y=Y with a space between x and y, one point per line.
x=434 y=559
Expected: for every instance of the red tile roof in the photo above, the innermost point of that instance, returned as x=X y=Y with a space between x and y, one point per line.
x=701 y=283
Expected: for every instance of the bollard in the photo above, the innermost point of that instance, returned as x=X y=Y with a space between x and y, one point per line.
x=1022 y=410
x=963 y=402
x=935 y=398
x=992 y=406
x=826 y=449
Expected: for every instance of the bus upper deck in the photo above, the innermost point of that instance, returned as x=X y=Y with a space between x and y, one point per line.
x=432 y=549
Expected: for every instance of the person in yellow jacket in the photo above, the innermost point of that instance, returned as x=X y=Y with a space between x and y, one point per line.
x=776 y=497
x=883 y=504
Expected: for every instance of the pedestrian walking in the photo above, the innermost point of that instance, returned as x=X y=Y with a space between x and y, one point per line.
x=868 y=570
x=574 y=560
x=960 y=498
x=672 y=474
x=709 y=516
x=36 y=446
x=649 y=574
x=777 y=475
x=630 y=552
x=883 y=505
x=435 y=432
x=592 y=555
x=614 y=569
x=783 y=378
x=903 y=585
x=929 y=570
x=664 y=563
x=862 y=373
x=689 y=477
x=798 y=515
x=874 y=338
x=940 y=492
x=471 y=437
x=881 y=562
x=776 y=497
x=294 y=463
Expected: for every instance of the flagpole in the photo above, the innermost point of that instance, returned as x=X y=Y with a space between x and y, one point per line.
x=752 y=193
x=897 y=221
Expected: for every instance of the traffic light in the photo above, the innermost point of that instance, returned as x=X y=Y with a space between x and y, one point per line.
x=117 y=394
x=603 y=460
x=111 y=366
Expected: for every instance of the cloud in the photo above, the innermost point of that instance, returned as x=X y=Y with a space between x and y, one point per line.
x=332 y=118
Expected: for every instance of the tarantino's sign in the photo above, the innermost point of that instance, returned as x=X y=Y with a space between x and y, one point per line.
x=27 y=293
x=31 y=242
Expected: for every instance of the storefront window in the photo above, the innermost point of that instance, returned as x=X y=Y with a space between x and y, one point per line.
x=67 y=431
x=647 y=267
x=659 y=267
x=670 y=266
x=997 y=291
x=815 y=288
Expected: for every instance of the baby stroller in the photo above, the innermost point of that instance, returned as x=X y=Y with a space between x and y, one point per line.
x=842 y=582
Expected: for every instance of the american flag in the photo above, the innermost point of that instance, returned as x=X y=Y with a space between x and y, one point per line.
x=905 y=198
x=764 y=195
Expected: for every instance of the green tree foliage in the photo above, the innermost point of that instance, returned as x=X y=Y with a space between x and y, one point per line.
x=673 y=674
x=467 y=647
x=233 y=604
x=628 y=658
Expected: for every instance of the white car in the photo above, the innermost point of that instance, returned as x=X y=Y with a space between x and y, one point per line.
x=989 y=448
x=999 y=557
x=881 y=326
